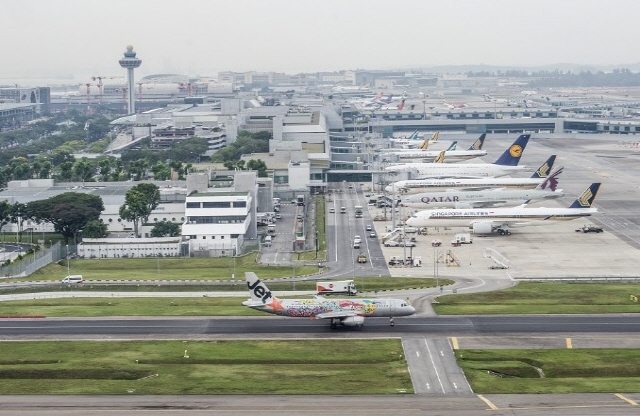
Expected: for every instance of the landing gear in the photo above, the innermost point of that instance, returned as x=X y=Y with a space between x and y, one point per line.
x=391 y=323
x=503 y=232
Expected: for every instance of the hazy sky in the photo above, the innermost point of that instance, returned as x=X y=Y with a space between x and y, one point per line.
x=81 y=38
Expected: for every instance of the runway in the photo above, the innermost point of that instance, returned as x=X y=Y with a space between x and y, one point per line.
x=448 y=326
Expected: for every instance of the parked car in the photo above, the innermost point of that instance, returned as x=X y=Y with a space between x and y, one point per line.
x=407 y=244
x=391 y=244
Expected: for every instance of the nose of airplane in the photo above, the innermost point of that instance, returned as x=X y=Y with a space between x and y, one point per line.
x=411 y=309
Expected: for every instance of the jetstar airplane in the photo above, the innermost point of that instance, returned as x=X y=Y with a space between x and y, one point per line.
x=347 y=312
x=500 y=220
x=417 y=185
x=506 y=164
x=485 y=198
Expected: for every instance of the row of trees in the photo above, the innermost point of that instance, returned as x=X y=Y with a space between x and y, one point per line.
x=72 y=212
x=557 y=78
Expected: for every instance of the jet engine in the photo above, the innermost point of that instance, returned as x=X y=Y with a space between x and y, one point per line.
x=352 y=321
x=481 y=227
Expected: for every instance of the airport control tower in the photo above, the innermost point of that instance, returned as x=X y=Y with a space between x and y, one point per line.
x=130 y=61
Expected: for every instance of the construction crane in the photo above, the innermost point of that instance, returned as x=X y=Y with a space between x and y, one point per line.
x=100 y=84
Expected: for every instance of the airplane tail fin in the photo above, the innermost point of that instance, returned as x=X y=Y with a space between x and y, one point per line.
x=452 y=146
x=551 y=182
x=477 y=145
x=511 y=156
x=434 y=138
x=401 y=105
x=424 y=145
x=440 y=157
x=260 y=293
x=414 y=135
x=588 y=196
x=545 y=168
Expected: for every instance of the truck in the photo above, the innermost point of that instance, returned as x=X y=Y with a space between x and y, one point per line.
x=362 y=258
x=336 y=287
x=358 y=210
x=463 y=238
x=300 y=200
x=271 y=230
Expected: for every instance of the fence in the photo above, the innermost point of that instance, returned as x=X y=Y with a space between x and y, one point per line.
x=32 y=262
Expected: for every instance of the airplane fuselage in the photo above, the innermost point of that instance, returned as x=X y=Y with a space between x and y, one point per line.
x=313 y=307
x=496 y=197
x=514 y=216
x=468 y=170
x=418 y=185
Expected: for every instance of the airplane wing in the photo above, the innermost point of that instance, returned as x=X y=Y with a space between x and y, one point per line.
x=336 y=314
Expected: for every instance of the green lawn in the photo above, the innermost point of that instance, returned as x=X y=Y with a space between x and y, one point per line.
x=204 y=367
x=545 y=298
x=167 y=268
x=551 y=371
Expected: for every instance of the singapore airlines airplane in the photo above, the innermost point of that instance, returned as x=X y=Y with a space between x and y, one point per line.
x=506 y=164
x=489 y=220
x=460 y=198
x=347 y=312
x=417 y=185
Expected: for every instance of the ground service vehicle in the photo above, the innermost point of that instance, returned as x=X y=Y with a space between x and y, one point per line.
x=362 y=258
x=75 y=278
x=337 y=287
x=463 y=238
x=590 y=229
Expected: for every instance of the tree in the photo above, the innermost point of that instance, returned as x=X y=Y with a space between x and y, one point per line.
x=83 y=169
x=139 y=202
x=95 y=229
x=68 y=212
x=5 y=213
x=165 y=229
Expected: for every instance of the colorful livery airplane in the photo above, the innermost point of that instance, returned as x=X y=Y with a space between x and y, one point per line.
x=347 y=312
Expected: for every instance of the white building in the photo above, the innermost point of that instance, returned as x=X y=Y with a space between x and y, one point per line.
x=217 y=222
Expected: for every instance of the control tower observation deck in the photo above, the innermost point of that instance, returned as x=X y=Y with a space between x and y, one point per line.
x=130 y=62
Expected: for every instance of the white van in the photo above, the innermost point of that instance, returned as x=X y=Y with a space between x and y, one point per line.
x=267 y=241
x=76 y=278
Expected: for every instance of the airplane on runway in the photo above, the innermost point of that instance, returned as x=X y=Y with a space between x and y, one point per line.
x=488 y=220
x=506 y=164
x=487 y=198
x=347 y=312
x=413 y=185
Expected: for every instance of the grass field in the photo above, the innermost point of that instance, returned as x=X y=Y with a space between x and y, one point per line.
x=199 y=367
x=167 y=268
x=551 y=371
x=545 y=298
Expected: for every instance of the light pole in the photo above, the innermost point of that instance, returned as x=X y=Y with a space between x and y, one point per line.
x=68 y=274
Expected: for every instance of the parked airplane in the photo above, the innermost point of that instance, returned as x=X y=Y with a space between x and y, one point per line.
x=451 y=106
x=417 y=185
x=450 y=155
x=460 y=198
x=500 y=220
x=347 y=312
x=412 y=139
x=413 y=186
x=506 y=164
